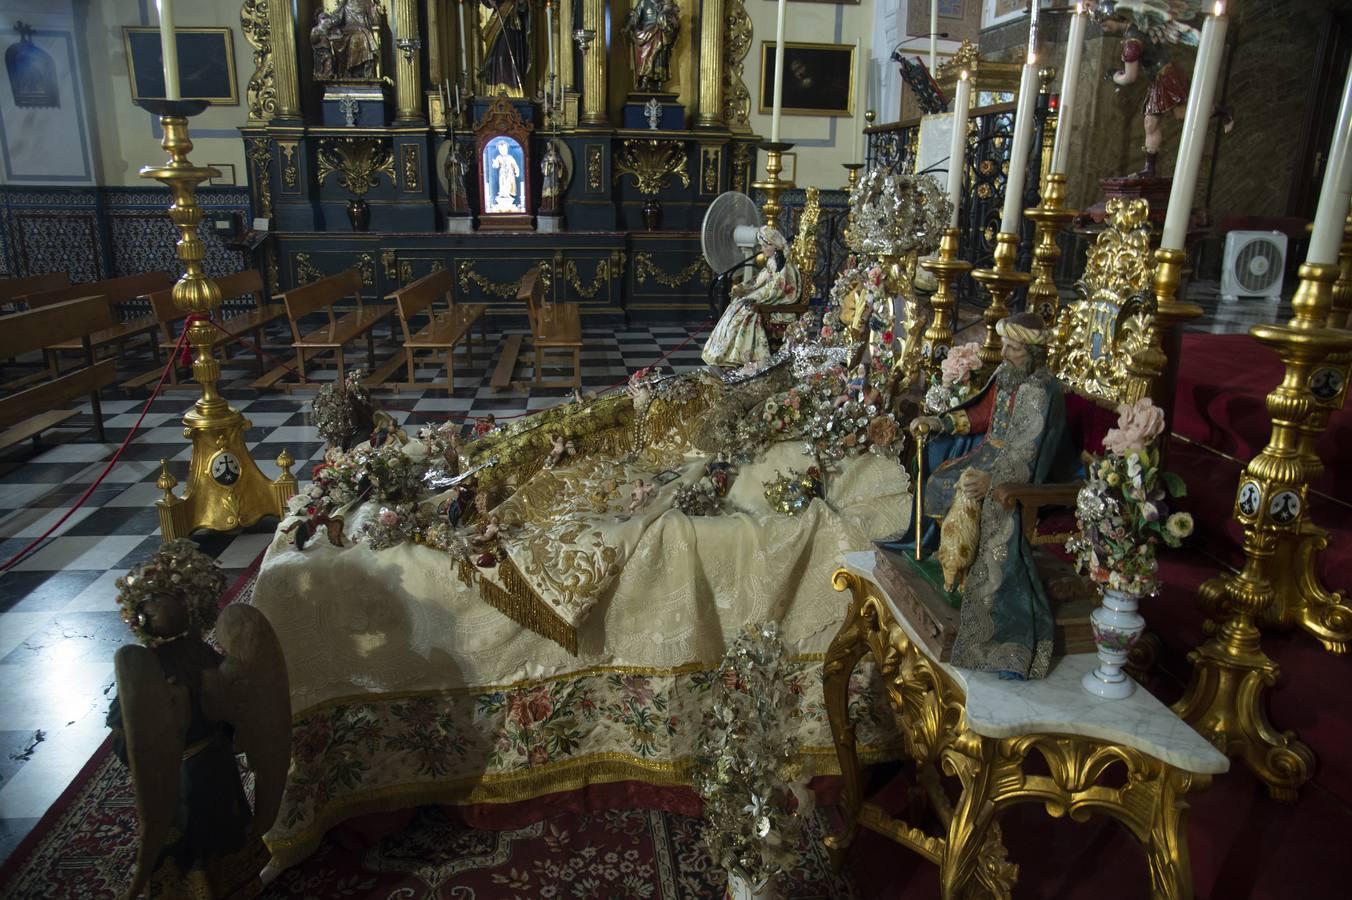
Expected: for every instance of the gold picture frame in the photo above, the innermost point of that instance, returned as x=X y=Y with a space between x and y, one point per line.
x=817 y=87
x=206 y=64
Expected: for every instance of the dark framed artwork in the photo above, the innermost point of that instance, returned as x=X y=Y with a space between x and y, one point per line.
x=818 y=79
x=206 y=64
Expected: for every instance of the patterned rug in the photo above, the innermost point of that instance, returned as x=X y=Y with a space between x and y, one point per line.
x=85 y=847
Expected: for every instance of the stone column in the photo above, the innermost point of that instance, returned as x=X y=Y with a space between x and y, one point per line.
x=407 y=63
x=285 y=79
x=594 y=65
x=711 y=31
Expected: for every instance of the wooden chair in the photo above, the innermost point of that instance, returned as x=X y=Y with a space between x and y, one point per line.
x=115 y=291
x=554 y=328
x=320 y=297
x=1106 y=350
x=247 y=282
x=803 y=254
x=27 y=413
x=444 y=329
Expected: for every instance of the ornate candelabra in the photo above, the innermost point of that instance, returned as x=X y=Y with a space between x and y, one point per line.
x=773 y=185
x=1225 y=698
x=947 y=269
x=225 y=488
x=853 y=175
x=1001 y=280
x=1050 y=217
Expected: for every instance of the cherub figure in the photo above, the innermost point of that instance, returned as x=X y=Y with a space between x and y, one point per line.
x=489 y=530
x=1147 y=27
x=183 y=710
x=638 y=496
x=559 y=448
x=486 y=424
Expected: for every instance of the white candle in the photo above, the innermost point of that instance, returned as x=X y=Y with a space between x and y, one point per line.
x=1018 y=154
x=861 y=73
x=464 y=57
x=1201 y=97
x=934 y=35
x=1336 y=193
x=779 y=73
x=957 y=151
x=1032 y=30
x=1070 y=79
x=170 y=50
x=549 y=37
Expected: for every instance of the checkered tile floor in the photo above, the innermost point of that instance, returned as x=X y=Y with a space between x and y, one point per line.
x=59 y=625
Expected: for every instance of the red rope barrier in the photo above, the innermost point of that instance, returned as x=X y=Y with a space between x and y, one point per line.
x=173 y=358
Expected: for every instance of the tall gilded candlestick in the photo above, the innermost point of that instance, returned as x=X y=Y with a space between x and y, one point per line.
x=773 y=185
x=947 y=269
x=226 y=490
x=1001 y=281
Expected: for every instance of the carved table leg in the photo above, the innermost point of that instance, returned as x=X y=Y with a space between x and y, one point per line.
x=846 y=649
x=974 y=850
x=1167 y=847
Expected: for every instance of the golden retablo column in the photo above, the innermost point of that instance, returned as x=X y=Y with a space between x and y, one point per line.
x=594 y=65
x=711 y=31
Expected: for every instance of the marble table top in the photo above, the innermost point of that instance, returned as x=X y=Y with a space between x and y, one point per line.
x=1059 y=705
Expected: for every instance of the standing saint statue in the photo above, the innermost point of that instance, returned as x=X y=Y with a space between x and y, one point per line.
x=457 y=198
x=505 y=26
x=346 y=41
x=508 y=177
x=652 y=26
x=551 y=179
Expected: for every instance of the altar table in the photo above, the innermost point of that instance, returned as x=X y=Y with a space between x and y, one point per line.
x=981 y=729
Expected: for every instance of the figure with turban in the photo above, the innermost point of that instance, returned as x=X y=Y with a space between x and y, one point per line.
x=1012 y=431
x=739 y=337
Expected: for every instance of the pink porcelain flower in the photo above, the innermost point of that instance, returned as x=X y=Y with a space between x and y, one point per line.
x=1138 y=424
x=960 y=362
x=388 y=517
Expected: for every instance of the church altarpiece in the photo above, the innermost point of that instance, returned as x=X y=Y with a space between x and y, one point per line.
x=367 y=116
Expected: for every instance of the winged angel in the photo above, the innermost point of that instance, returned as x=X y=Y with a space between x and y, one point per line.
x=1147 y=28
x=182 y=712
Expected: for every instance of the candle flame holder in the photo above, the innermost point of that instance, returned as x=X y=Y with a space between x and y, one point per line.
x=947 y=269
x=852 y=178
x=1050 y=217
x=1001 y=280
x=226 y=490
x=773 y=185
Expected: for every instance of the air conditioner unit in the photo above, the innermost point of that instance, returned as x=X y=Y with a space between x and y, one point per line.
x=1253 y=265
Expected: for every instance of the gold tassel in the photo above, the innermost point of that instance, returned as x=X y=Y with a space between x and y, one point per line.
x=519 y=602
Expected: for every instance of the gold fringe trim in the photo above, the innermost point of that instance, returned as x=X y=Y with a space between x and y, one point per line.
x=515 y=787
x=516 y=600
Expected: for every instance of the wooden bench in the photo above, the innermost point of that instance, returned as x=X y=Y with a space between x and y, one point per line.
x=320 y=296
x=554 y=328
x=27 y=413
x=248 y=282
x=444 y=329
x=16 y=290
x=114 y=292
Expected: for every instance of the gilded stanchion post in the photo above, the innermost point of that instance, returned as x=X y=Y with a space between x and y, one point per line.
x=1050 y=217
x=1226 y=698
x=225 y=488
x=1001 y=280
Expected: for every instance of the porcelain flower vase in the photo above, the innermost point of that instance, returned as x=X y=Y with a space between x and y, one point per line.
x=741 y=889
x=1116 y=625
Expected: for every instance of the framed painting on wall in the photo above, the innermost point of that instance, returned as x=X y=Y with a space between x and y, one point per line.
x=997 y=12
x=818 y=79
x=206 y=64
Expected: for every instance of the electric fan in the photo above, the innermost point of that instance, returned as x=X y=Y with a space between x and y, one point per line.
x=1254 y=264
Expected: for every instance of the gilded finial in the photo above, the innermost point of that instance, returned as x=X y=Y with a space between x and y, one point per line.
x=285 y=461
x=869 y=116
x=166 y=482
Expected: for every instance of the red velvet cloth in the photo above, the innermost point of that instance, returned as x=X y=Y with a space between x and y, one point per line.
x=1088 y=422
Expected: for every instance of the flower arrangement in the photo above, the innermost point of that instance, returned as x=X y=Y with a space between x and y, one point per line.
x=1122 y=510
x=954 y=384
x=393 y=525
x=783 y=413
x=747 y=767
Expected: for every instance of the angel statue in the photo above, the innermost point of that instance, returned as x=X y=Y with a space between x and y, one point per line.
x=183 y=710
x=1147 y=27
x=652 y=27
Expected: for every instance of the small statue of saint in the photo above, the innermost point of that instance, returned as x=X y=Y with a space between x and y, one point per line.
x=323 y=36
x=505 y=26
x=508 y=175
x=652 y=27
x=457 y=198
x=551 y=180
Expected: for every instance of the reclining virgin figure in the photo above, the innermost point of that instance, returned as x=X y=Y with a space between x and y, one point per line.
x=1013 y=430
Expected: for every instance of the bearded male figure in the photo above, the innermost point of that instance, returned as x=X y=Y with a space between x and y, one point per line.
x=1012 y=431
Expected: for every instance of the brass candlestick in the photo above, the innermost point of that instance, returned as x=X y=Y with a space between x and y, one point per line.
x=1002 y=280
x=1340 y=315
x=1050 y=217
x=773 y=185
x=947 y=269
x=853 y=178
x=1225 y=697
x=225 y=489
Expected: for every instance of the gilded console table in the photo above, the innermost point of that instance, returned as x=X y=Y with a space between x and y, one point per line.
x=981 y=730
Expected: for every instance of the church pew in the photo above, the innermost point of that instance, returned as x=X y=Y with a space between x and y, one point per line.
x=554 y=327
x=114 y=291
x=444 y=329
x=16 y=290
x=27 y=413
x=320 y=297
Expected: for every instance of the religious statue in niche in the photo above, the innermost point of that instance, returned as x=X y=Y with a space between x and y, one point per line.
x=457 y=198
x=504 y=181
x=502 y=141
x=551 y=180
x=32 y=73
x=652 y=27
x=1012 y=431
x=1147 y=27
x=346 y=41
x=183 y=710
x=505 y=26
